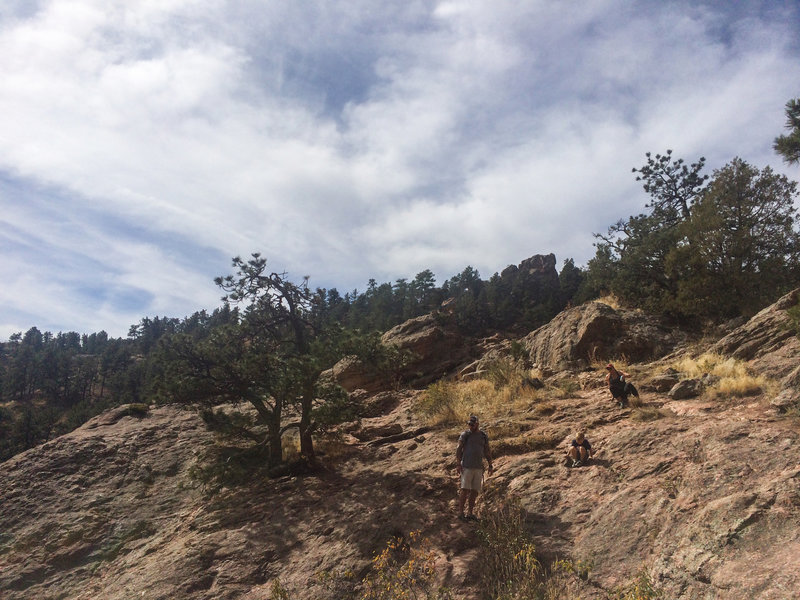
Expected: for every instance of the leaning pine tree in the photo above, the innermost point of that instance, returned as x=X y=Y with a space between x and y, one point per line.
x=272 y=358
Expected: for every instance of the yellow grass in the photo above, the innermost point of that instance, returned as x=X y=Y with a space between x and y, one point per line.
x=611 y=300
x=735 y=380
x=711 y=363
x=745 y=385
x=448 y=403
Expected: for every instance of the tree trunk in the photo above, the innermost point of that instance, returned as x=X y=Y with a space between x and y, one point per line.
x=306 y=427
x=275 y=446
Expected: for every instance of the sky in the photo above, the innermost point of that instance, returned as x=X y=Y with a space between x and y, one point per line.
x=145 y=143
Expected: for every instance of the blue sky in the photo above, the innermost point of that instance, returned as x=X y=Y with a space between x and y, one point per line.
x=145 y=143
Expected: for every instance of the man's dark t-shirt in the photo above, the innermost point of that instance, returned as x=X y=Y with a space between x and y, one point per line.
x=475 y=447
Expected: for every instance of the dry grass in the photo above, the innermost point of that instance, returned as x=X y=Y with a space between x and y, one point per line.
x=523 y=444
x=612 y=301
x=564 y=389
x=290 y=446
x=544 y=409
x=740 y=386
x=635 y=402
x=334 y=449
x=649 y=413
x=735 y=380
x=621 y=363
x=711 y=363
x=449 y=403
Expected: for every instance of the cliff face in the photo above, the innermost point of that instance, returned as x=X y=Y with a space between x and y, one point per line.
x=705 y=496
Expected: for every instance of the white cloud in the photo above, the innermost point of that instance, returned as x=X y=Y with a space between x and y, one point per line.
x=347 y=142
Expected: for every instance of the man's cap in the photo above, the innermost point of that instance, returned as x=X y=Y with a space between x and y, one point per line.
x=472 y=419
x=609 y=366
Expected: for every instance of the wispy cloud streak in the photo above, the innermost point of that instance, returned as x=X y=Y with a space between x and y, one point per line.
x=146 y=143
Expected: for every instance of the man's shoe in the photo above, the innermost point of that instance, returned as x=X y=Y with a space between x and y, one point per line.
x=576 y=463
x=471 y=518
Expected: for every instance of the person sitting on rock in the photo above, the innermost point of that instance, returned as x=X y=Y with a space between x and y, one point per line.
x=580 y=450
x=617 y=385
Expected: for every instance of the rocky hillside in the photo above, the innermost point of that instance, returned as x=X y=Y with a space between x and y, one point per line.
x=700 y=493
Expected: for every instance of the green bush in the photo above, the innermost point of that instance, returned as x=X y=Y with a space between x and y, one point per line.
x=440 y=398
x=505 y=372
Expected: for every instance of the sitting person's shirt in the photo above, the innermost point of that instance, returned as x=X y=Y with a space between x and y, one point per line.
x=585 y=444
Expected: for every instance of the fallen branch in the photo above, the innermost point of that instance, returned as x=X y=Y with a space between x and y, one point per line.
x=399 y=437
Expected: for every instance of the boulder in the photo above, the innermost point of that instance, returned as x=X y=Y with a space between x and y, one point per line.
x=578 y=336
x=434 y=343
x=663 y=383
x=352 y=374
x=789 y=396
x=688 y=388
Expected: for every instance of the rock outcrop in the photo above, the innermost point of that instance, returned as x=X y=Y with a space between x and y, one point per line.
x=596 y=331
x=533 y=281
x=432 y=343
x=113 y=492
x=769 y=339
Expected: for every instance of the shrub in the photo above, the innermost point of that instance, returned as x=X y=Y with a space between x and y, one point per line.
x=439 y=402
x=734 y=378
x=406 y=568
x=746 y=385
x=137 y=409
x=449 y=403
x=277 y=591
x=567 y=388
x=505 y=372
x=523 y=444
x=641 y=588
x=510 y=567
x=611 y=300
x=711 y=363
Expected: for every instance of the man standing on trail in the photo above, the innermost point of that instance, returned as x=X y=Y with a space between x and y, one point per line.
x=473 y=447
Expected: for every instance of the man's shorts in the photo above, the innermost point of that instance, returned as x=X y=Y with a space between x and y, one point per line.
x=471 y=479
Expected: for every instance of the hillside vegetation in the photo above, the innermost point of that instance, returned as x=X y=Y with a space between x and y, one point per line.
x=687 y=498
